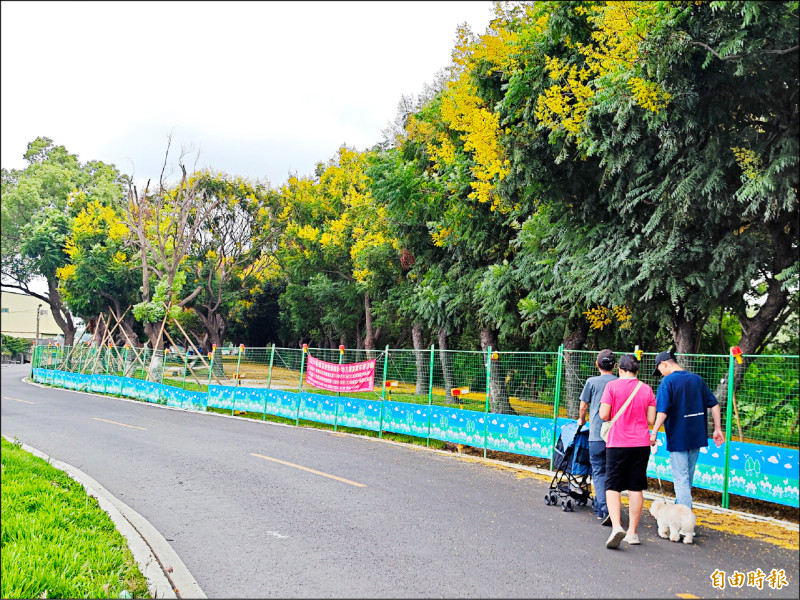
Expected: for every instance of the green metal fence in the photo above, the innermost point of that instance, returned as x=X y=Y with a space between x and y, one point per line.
x=486 y=399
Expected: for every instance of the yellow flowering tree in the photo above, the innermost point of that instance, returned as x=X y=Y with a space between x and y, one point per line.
x=233 y=252
x=101 y=272
x=336 y=252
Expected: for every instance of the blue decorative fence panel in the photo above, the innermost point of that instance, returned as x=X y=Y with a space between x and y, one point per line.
x=532 y=436
x=185 y=399
x=764 y=472
x=97 y=384
x=318 y=407
x=221 y=396
x=360 y=413
x=402 y=417
x=147 y=390
x=282 y=404
x=458 y=425
x=251 y=399
x=114 y=384
x=69 y=380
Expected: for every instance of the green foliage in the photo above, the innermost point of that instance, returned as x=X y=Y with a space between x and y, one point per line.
x=156 y=309
x=57 y=542
x=769 y=400
x=14 y=345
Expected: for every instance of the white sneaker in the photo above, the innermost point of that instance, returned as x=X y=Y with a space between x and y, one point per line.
x=615 y=538
x=632 y=539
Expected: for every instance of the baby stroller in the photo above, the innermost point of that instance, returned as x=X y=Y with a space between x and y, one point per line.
x=571 y=461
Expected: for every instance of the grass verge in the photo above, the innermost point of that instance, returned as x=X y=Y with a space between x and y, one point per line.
x=56 y=540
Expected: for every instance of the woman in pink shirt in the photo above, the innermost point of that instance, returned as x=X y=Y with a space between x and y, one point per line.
x=627 y=447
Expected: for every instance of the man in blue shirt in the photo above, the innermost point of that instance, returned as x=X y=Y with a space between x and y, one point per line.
x=682 y=403
x=590 y=398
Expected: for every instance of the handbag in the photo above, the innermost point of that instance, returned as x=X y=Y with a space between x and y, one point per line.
x=605 y=428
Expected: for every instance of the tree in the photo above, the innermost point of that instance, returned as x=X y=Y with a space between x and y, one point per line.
x=101 y=274
x=37 y=215
x=336 y=235
x=696 y=149
x=164 y=223
x=234 y=249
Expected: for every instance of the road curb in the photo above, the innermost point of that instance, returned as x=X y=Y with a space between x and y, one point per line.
x=167 y=576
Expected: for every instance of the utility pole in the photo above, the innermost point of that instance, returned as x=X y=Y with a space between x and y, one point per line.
x=38 y=315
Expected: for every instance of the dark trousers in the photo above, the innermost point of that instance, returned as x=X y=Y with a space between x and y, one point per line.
x=597 y=458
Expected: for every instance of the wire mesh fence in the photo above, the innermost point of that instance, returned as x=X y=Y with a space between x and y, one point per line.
x=508 y=401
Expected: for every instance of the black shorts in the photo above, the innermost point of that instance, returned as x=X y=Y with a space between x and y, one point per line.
x=626 y=468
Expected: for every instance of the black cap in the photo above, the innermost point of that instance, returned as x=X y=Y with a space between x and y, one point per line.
x=606 y=359
x=661 y=357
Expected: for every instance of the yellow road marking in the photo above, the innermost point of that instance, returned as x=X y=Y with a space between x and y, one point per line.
x=686 y=596
x=309 y=470
x=17 y=399
x=123 y=424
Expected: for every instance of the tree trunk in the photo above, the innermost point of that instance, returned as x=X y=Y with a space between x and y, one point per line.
x=573 y=385
x=498 y=391
x=359 y=339
x=61 y=315
x=447 y=371
x=369 y=334
x=756 y=329
x=421 y=358
x=215 y=330
x=684 y=330
x=156 y=358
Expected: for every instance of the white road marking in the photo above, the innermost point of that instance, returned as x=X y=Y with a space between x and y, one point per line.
x=283 y=462
x=17 y=399
x=122 y=424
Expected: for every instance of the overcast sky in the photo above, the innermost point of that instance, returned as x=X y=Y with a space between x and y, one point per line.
x=261 y=89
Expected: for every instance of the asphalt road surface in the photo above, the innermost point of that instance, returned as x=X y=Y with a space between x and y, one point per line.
x=259 y=510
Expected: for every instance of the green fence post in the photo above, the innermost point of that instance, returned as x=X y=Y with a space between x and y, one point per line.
x=33 y=361
x=238 y=364
x=430 y=397
x=124 y=370
x=210 y=368
x=383 y=391
x=728 y=409
x=559 y=368
x=300 y=389
x=269 y=380
x=269 y=373
x=488 y=389
x=338 y=394
x=163 y=364
x=236 y=377
x=185 y=367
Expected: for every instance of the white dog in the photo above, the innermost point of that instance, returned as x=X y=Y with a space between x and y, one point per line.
x=676 y=518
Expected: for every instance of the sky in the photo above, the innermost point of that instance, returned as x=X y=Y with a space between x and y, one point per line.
x=255 y=89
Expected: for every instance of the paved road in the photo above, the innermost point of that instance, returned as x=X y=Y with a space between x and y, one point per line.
x=396 y=521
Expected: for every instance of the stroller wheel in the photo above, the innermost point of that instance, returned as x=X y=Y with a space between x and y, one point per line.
x=564 y=505
x=553 y=499
x=547 y=499
x=569 y=505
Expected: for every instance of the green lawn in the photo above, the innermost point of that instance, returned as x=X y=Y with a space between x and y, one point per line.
x=56 y=541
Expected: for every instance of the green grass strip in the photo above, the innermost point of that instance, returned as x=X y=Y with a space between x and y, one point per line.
x=56 y=540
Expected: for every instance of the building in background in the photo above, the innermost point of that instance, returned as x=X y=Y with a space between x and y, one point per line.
x=18 y=318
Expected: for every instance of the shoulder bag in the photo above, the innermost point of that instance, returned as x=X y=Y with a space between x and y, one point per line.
x=606 y=426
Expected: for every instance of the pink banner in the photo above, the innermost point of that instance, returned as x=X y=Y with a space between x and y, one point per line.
x=353 y=377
